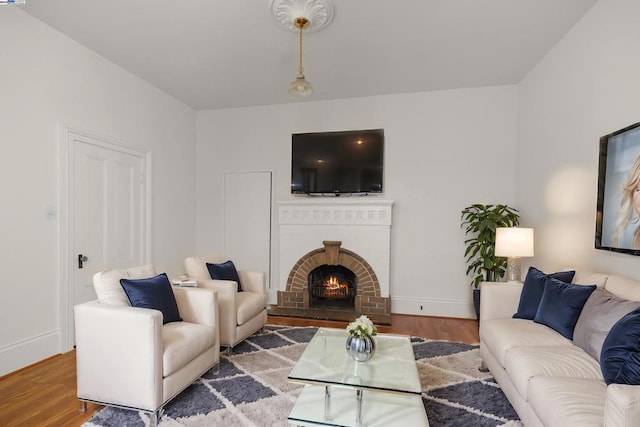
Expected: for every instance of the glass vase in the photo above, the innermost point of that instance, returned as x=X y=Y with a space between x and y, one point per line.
x=361 y=349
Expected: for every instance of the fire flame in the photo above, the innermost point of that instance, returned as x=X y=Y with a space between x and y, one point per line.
x=333 y=283
x=334 y=288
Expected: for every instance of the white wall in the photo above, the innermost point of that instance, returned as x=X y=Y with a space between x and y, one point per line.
x=46 y=80
x=586 y=87
x=443 y=151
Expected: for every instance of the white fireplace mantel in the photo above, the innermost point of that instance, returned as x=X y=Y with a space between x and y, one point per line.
x=363 y=225
x=335 y=212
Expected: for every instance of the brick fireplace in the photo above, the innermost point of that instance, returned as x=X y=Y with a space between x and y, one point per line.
x=334 y=260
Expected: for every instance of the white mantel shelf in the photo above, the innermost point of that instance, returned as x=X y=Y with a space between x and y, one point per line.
x=335 y=211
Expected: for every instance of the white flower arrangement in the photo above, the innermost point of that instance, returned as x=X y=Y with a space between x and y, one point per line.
x=362 y=327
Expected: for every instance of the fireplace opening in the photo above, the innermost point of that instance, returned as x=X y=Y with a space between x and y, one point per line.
x=332 y=287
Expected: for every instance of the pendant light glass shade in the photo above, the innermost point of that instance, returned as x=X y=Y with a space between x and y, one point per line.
x=300 y=87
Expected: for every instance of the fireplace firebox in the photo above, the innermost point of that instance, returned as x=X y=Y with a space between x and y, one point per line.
x=332 y=286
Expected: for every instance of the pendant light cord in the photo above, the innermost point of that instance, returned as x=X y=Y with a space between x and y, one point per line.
x=300 y=67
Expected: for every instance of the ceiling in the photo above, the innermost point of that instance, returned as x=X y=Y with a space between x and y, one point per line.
x=214 y=54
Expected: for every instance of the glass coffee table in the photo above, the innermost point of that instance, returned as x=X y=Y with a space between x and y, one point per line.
x=383 y=391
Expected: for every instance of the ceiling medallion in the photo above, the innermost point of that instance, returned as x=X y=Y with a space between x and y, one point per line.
x=318 y=12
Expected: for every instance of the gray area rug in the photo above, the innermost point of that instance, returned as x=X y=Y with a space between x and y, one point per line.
x=250 y=387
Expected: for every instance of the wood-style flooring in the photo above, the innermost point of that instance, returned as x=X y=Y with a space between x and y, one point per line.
x=44 y=394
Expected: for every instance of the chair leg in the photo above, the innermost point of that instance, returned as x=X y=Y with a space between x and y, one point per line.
x=154 y=417
x=229 y=351
x=83 y=406
x=483 y=367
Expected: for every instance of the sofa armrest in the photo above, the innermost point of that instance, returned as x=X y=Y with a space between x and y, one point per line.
x=253 y=281
x=622 y=406
x=499 y=300
x=227 y=306
x=119 y=355
x=226 y=289
x=197 y=305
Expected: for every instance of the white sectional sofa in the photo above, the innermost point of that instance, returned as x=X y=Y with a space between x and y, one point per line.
x=548 y=379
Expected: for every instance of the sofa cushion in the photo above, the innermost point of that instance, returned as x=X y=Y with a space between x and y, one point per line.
x=249 y=305
x=525 y=362
x=502 y=335
x=533 y=289
x=225 y=271
x=601 y=311
x=623 y=405
x=562 y=401
x=584 y=277
x=561 y=305
x=107 y=283
x=153 y=292
x=620 y=356
x=182 y=342
x=623 y=287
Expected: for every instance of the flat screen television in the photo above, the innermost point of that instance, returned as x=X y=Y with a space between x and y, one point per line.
x=346 y=162
x=618 y=208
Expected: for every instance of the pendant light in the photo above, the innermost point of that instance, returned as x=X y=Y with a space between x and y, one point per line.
x=300 y=16
x=300 y=87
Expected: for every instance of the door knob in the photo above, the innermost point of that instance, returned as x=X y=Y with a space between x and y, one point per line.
x=81 y=260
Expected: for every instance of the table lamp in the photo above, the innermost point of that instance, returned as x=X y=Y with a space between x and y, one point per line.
x=514 y=243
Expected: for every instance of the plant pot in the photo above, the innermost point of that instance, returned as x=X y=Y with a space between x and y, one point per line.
x=476 y=302
x=361 y=349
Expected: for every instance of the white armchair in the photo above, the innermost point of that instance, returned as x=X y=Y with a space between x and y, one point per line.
x=127 y=358
x=241 y=313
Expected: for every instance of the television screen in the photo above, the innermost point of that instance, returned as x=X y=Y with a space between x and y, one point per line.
x=337 y=162
x=618 y=209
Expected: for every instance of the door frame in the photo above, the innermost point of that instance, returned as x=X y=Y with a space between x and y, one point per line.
x=66 y=155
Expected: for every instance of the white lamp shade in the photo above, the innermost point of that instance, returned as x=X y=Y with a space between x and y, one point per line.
x=514 y=242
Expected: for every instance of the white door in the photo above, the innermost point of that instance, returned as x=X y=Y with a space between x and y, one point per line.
x=247 y=220
x=107 y=212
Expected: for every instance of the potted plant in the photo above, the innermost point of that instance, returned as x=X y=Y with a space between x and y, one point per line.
x=479 y=223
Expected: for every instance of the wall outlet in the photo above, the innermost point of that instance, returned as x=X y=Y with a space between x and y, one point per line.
x=52 y=212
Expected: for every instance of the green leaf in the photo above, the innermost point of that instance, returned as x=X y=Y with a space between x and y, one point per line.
x=479 y=222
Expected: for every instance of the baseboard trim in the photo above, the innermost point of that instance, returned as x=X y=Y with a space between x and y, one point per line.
x=28 y=351
x=432 y=307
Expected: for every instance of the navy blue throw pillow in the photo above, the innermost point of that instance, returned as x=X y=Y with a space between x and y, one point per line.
x=561 y=305
x=154 y=292
x=533 y=288
x=225 y=271
x=620 y=356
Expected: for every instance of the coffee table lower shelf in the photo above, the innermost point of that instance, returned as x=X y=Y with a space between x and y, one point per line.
x=378 y=409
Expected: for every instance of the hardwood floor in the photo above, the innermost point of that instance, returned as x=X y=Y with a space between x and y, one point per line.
x=44 y=394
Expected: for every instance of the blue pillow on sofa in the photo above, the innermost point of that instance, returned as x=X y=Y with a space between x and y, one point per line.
x=620 y=355
x=561 y=305
x=225 y=271
x=533 y=288
x=153 y=292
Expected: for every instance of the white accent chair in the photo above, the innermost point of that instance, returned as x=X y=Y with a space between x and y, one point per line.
x=241 y=313
x=128 y=359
